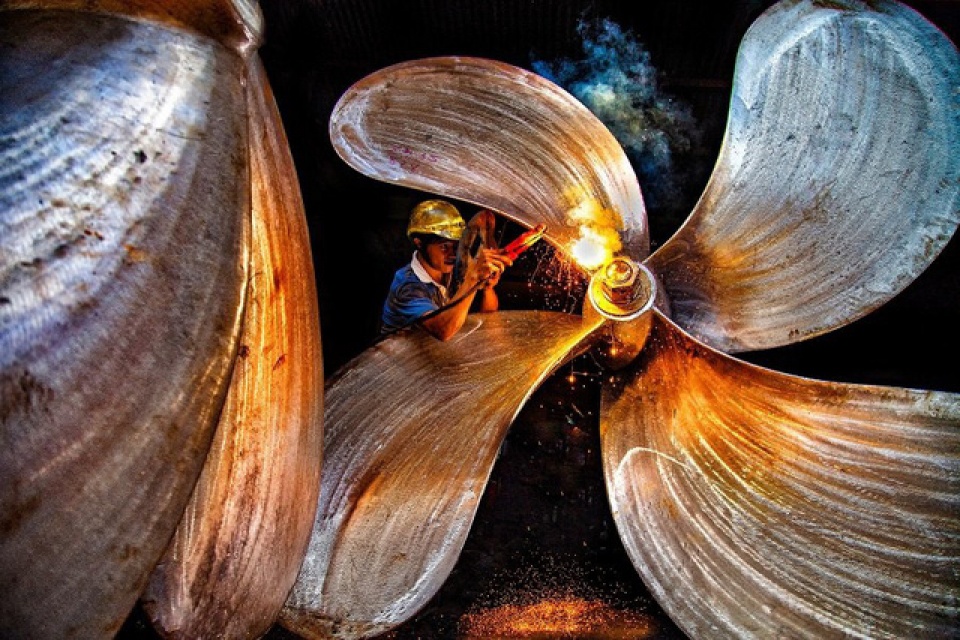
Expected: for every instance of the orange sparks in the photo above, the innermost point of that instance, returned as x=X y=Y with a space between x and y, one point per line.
x=556 y=618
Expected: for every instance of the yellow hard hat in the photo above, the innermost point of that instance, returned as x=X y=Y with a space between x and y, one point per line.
x=436 y=217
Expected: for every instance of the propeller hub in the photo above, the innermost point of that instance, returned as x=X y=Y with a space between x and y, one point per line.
x=622 y=289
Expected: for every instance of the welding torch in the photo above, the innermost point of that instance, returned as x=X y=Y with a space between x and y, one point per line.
x=524 y=241
x=520 y=244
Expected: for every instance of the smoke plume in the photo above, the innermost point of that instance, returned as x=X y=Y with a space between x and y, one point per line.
x=617 y=82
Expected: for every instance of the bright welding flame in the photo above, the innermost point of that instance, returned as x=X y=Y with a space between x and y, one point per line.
x=592 y=250
x=599 y=238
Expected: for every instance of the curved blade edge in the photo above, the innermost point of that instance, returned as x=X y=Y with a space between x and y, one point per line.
x=244 y=534
x=791 y=507
x=838 y=181
x=414 y=426
x=498 y=136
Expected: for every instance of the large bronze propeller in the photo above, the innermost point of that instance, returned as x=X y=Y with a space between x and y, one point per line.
x=753 y=503
x=156 y=296
x=160 y=373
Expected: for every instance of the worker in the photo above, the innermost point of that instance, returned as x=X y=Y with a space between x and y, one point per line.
x=419 y=292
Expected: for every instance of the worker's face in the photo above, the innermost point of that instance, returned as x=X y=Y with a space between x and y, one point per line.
x=440 y=254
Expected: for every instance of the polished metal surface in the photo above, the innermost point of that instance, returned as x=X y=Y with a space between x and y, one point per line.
x=236 y=24
x=124 y=207
x=760 y=505
x=754 y=504
x=492 y=134
x=838 y=181
x=622 y=290
x=238 y=549
x=413 y=427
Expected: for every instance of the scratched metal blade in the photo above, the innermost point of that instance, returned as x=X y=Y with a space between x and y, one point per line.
x=124 y=206
x=838 y=181
x=495 y=135
x=413 y=427
x=239 y=546
x=236 y=24
x=760 y=505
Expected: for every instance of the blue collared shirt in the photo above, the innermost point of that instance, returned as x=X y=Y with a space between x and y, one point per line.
x=413 y=293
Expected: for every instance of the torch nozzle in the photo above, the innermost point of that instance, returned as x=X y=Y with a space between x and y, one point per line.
x=524 y=241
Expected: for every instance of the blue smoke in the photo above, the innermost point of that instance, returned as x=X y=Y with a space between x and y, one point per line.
x=618 y=83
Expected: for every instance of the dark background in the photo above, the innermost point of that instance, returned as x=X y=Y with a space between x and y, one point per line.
x=543 y=528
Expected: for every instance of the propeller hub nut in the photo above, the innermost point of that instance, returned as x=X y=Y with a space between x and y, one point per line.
x=622 y=289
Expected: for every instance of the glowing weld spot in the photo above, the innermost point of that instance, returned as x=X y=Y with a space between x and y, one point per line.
x=589 y=251
x=599 y=232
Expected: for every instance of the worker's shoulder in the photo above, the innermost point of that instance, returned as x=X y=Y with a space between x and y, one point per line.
x=404 y=275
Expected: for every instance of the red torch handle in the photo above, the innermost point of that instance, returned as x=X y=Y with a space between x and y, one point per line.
x=524 y=241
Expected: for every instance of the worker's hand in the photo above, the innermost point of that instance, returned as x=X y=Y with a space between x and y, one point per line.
x=491 y=263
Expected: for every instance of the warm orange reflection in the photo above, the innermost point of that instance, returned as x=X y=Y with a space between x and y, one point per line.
x=566 y=617
x=599 y=237
x=591 y=250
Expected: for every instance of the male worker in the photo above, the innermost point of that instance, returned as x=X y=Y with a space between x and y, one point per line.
x=419 y=290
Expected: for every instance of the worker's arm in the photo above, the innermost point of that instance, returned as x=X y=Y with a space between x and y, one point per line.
x=445 y=324
x=489 y=301
x=485 y=270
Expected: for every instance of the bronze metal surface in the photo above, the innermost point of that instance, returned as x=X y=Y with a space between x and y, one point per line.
x=761 y=505
x=237 y=24
x=495 y=135
x=124 y=207
x=413 y=427
x=754 y=504
x=838 y=181
x=243 y=536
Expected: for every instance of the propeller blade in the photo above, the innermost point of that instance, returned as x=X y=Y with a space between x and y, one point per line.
x=497 y=136
x=413 y=427
x=237 y=24
x=124 y=206
x=758 y=505
x=837 y=183
x=239 y=546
